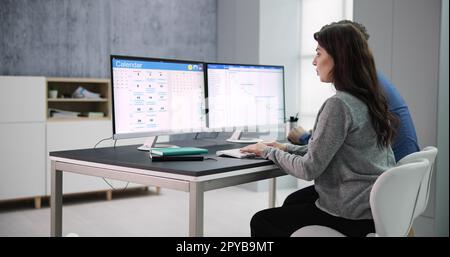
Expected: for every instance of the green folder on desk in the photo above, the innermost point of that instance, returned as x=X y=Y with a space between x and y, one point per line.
x=179 y=151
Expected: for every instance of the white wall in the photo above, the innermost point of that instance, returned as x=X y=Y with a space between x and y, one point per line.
x=261 y=32
x=442 y=130
x=279 y=43
x=405 y=38
x=378 y=19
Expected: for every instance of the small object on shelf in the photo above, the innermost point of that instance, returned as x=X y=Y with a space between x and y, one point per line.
x=92 y=114
x=57 y=113
x=82 y=92
x=53 y=94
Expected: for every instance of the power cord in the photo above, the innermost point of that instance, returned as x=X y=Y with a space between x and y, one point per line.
x=106 y=181
x=102 y=141
x=117 y=189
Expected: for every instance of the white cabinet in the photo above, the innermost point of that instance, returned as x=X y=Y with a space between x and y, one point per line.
x=28 y=134
x=22 y=137
x=23 y=158
x=70 y=135
x=22 y=99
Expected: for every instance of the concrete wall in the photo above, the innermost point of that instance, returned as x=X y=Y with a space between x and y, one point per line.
x=75 y=38
x=238 y=31
x=405 y=39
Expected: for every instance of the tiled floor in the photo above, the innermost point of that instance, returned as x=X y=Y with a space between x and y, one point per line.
x=227 y=213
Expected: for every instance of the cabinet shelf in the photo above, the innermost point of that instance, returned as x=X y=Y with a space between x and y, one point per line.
x=75 y=100
x=58 y=119
x=64 y=102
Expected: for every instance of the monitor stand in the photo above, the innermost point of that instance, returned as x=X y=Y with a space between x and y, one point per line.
x=236 y=138
x=150 y=143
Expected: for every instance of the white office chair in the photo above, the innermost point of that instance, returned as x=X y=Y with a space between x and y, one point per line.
x=428 y=153
x=393 y=200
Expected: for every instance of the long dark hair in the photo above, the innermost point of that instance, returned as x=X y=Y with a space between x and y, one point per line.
x=354 y=72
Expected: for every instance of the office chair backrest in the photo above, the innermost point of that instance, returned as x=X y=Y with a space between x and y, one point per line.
x=393 y=198
x=428 y=153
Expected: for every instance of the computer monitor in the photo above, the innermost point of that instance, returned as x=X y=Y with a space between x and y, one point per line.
x=153 y=97
x=242 y=96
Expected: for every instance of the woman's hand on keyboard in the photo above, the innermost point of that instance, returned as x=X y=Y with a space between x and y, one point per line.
x=257 y=149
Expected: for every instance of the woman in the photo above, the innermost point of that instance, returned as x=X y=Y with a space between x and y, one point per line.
x=349 y=147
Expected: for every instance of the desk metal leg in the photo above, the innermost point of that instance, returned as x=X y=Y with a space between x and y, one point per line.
x=56 y=201
x=272 y=192
x=196 y=196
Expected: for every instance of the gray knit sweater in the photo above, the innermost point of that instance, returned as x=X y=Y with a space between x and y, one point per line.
x=342 y=157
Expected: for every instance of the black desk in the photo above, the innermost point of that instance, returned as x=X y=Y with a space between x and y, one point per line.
x=126 y=163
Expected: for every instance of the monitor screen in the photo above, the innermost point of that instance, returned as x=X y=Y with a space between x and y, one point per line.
x=244 y=95
x=153 y=97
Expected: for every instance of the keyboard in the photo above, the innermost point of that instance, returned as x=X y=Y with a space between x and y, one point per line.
x=236 y=153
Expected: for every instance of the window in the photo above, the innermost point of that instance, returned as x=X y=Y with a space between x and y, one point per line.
x=315 y=14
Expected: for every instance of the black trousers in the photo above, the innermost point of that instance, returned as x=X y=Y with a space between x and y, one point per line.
x=299 y=210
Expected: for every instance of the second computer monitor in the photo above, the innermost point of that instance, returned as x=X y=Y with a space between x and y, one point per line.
x=243 y=96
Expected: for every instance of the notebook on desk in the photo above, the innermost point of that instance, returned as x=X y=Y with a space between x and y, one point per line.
x=179 y=151
x=236 y=153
